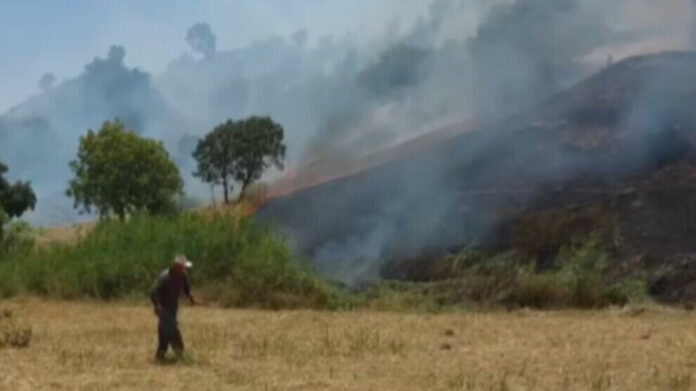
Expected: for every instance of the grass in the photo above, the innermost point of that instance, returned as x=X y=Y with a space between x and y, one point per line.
x=13 y=333
x=240 y=261
x=85 y=345
x=582 y=278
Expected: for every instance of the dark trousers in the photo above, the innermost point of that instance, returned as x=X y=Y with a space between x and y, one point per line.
x=169 y=334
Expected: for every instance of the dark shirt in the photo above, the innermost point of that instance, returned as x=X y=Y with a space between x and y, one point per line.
x=167 y=290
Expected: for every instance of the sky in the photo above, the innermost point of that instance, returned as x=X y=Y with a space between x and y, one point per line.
x=61 y=36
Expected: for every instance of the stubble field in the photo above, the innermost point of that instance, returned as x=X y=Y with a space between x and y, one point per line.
x=98 y=346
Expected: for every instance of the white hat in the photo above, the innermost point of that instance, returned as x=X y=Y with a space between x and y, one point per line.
x=183 y=261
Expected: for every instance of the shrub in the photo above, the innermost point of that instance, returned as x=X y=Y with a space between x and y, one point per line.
x=544 y=234
x=581 y=278
x=581 y=281
x=17 y=238
x=539 y=291
x=118 y=259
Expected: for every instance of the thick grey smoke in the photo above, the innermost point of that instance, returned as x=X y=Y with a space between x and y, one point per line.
x=530 y=49
x=522 y=53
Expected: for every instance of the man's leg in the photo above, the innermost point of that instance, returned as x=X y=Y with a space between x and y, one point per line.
x=177 y=343
x=164 y=333
x=162 y=345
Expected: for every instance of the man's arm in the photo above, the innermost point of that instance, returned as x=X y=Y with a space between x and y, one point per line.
x=187 y=290
x=154 y=295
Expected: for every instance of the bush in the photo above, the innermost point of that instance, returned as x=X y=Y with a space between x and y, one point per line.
x=581 y=278
x=582 y=281
x=118 y=259
x=544 y=234
x=539 y=291
x=17 y=238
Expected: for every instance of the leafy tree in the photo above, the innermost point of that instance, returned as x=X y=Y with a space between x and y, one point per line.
x=118 y=172
x=202 y=39
x=215 y=157
x=239 y=151
x=258 y=145
x=15 y=199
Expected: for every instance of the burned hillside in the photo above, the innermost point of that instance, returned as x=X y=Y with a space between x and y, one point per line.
x=622 y=140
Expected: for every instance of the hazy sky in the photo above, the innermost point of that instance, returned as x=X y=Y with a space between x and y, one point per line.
x=61 y=36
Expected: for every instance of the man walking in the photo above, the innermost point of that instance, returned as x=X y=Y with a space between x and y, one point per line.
x=165 y=297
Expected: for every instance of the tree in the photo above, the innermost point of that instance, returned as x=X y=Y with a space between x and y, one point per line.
x=46 y=82
x=258 y=144
x=118 y=172
x=215 y=157
x=202 y=39
x=15 y=199
x=239 y=151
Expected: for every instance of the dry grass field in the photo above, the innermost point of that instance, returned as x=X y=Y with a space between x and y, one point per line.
x=65 y=234
x=97 y=346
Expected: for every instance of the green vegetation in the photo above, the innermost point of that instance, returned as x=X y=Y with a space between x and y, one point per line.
x=118 y=172
x=239 y=151
x=581 y=278
x=15 y=199
x=557 y=262
x=543 y=234
x=239 y=261
x=18 y=238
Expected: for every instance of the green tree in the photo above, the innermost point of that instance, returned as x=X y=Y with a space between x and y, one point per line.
x=15 y=199
x=240 y=151
x=215 y=157
x=118 y=172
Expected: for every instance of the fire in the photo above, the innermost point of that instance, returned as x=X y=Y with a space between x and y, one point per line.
x=319 y=171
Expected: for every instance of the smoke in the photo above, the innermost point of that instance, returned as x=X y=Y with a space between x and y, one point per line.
x=522 y=53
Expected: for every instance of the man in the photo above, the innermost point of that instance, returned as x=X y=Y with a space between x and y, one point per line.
x=165 y=297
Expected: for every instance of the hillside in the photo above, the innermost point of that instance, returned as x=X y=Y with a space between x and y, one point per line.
x=622 y=140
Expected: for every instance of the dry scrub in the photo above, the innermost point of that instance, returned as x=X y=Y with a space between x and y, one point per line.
x=96 y=346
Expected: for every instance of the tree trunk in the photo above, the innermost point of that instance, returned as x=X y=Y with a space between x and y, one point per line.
x=224 y=186
x=242 y=193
